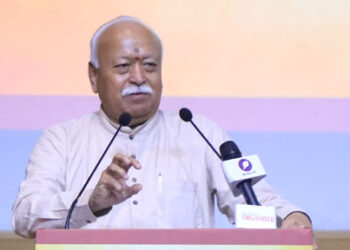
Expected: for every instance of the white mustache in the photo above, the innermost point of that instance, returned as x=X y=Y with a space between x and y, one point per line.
x=133 y=89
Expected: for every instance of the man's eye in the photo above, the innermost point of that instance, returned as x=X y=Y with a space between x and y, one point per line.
x=121 y=65
x=150 y=65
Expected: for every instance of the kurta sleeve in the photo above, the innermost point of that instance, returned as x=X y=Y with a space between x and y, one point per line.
x=43 y=200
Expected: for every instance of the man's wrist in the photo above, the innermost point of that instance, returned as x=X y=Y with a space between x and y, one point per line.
x=102 y=212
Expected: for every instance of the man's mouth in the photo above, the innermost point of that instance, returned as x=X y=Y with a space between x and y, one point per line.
x=138 y=93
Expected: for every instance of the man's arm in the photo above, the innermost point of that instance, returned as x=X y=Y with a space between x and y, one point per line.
x=45 y=196
x=44 y=199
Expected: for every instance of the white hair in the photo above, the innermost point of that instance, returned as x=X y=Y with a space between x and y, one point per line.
x=104 y=27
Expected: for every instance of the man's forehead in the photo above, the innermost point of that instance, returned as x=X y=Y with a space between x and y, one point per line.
x=127 y=30
x=132 y=41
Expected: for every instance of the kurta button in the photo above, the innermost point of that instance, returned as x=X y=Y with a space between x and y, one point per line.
x=133 y=156
x=131 y=137
x=134 y=179
x=135 y=202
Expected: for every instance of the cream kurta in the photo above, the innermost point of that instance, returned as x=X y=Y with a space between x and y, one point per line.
x=180 y=176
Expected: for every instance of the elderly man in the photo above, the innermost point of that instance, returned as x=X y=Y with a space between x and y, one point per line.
x=157 y=174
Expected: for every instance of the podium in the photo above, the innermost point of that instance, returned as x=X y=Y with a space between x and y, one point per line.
x=174 y=239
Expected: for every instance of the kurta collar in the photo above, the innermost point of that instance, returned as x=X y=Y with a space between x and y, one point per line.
x=127 y=131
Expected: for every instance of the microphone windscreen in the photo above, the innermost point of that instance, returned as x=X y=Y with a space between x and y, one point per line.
x=229 y=150
x=124 y=119
x=185 y=114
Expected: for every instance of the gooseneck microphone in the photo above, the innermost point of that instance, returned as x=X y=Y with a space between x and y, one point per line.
x=186 y=115
x=124 y=120
x=229 y=151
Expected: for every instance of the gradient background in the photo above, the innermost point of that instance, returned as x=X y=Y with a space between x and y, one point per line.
x=274 y=74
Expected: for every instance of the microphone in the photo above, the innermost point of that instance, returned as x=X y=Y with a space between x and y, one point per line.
x=186 y=115
x=124 y=120
x=240 y=183
x=241 y=172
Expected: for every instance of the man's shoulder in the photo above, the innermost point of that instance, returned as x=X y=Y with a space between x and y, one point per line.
x=77 y=123
x=198 y=119
x=184 y=132
x=176 y=125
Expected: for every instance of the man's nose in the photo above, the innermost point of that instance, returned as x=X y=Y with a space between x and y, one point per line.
x=137 y=76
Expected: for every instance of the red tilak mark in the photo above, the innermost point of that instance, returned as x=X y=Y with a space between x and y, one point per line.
x=137 y=58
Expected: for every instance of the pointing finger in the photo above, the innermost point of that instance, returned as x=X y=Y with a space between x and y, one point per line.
x=126 y=162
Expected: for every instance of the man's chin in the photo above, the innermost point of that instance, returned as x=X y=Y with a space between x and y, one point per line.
x=139 y=117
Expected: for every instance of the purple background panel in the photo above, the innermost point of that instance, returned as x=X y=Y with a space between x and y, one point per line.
x=270 y=114
x=240 y=114
x=39 y=112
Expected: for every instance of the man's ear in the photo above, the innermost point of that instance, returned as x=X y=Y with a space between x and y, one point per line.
x=93 y=77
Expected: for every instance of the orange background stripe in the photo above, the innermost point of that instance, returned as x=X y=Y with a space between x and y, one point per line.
x=212 y=48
